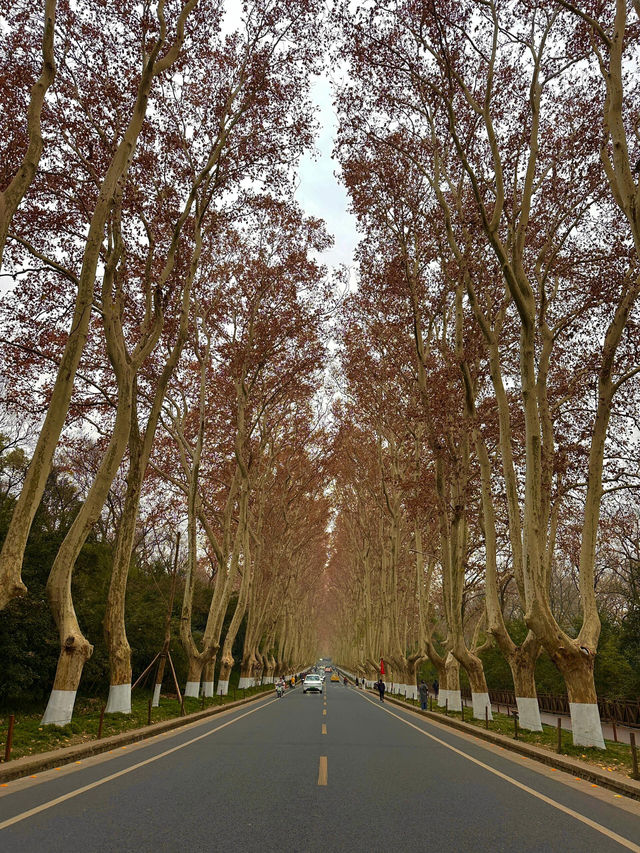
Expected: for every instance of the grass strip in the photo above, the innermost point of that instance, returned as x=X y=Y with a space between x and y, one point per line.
x=616 y=757
x=30 y=737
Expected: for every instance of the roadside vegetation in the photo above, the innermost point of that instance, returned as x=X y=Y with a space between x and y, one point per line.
x=617 y=757
x=31 y=737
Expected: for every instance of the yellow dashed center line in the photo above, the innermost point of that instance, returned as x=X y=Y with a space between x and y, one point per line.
x=324 y=712
x=322 y=770
x=324 y=728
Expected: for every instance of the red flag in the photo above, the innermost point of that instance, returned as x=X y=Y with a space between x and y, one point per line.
x=381 y=666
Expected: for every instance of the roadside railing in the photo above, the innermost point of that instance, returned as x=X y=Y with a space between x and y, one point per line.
x=626 y=712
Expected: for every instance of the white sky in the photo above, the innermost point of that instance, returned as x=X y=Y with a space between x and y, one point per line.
x=319 y=192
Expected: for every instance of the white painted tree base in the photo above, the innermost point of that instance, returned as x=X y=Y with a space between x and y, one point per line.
x=59 y=708
x=119 y=701
x=269 y=679
x=586 y=725
x=245 y=682
x=223 y=688
x=453 y=697
x=529 y=714
x=192 y=689
x=207 y=689
x=155 y=702
x=481 y=702
x=411 y=691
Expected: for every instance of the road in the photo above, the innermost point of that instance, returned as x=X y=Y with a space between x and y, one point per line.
x=338 y=772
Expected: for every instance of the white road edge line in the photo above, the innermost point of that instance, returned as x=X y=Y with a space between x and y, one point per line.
x=624 y=842
x=41 y=808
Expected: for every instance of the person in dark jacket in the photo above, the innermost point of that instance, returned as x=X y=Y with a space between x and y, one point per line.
x=424 y=695
x=381 y=688
x=436 y=687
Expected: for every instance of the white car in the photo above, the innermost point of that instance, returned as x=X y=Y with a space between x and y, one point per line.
x=312 y=684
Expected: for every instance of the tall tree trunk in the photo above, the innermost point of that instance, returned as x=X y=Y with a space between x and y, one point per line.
x=226 y=660
x=450 y=679
x=140 y=447
x=75 y=649
x=166 y=646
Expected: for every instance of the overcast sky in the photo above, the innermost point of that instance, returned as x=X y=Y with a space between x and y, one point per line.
x=319 y=192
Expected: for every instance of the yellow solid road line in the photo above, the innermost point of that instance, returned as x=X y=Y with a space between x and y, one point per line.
x=324 y=728
x=31 y=812
x=624 y=842
x=322 y=770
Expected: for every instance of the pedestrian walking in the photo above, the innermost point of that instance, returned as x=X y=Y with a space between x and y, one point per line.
x=356 y=680
x=424 y=695
x=381 y=688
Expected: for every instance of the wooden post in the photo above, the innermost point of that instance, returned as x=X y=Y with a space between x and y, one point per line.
x=486 y=716
x=142 y=674
x=559 y=748
x=615 y=731
x=182 y=707
x=163 y=655
x=9 y=744
x=462 y=711
x=634 y=756
x=431 y=703
x=101 y=722
x=149 y=713
x=446 y=707
x=515 y=725
x=175 y=678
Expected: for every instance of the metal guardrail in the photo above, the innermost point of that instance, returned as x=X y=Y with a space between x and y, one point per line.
x=626 y=712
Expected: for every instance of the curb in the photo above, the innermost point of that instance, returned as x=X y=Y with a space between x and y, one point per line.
x=612 y=781
x=31 y=764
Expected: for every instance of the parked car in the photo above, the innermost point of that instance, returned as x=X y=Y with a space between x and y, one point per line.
x=312 y=684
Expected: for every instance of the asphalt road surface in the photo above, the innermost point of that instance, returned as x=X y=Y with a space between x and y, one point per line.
x=332 y=772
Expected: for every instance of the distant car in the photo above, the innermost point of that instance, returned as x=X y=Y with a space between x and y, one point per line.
x=312 y=684
x=335 y=677
x=327 y=669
